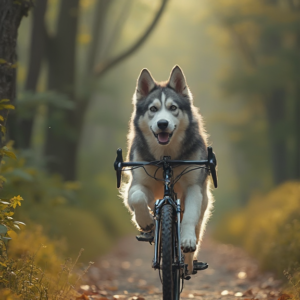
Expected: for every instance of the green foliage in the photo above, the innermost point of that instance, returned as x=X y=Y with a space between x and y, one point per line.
x=269 y=228
x=65 y=209
x=28 y=102
x=7 y=223
x=33 y=183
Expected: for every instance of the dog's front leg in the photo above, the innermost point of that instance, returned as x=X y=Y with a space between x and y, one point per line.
x=139 y=198
x=191 y=216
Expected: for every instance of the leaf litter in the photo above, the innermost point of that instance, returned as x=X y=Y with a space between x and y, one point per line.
x=126 y=273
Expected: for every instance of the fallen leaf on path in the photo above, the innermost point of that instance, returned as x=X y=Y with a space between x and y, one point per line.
x=199 y=294
x=184 y=294
x=125 y=265
x=119 y=297
x=206 y=286
x=136 y=298
x=112 y=288
x=226 y=292
x=82 y=297
x=142 y=282
x=248 y=293
x=273 y=294
x=285 y=297
x=242 y=275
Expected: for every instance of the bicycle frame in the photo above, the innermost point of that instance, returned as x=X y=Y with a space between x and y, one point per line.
x=168 y=199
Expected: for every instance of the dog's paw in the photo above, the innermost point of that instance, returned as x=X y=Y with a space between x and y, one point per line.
x=146 y=223
x=148 y=228
x=188 y=243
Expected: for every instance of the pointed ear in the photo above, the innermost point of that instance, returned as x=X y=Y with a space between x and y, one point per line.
x=177 y=81
x=145 y=84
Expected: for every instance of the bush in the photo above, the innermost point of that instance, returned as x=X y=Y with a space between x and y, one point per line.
x=269 y=229
x=54 y=204
x=25 y=258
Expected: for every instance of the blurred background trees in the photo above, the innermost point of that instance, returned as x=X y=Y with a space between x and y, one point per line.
x=265 y=78
x=57 y=50
x=77 y=70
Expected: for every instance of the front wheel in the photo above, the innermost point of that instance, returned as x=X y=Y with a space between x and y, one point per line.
x=170 y=276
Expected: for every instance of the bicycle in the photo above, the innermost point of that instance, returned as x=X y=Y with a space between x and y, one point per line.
x=167 y=221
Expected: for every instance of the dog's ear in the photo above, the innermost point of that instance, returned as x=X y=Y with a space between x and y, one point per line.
x=145 y=84
x=177 y=81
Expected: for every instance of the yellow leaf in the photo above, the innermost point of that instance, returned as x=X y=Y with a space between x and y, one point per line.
x=2 y=61
x=16 y=201
x=6 y=106
x=8 y=153
x=9 y=214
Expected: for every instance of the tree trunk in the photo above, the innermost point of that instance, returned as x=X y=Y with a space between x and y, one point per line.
x=37 y=49
x=296 y=134
x=61 y=144
x=11 y=13
x=276 y=111
x=276 y=115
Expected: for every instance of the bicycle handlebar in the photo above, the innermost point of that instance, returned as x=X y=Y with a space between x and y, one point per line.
x=211 y=162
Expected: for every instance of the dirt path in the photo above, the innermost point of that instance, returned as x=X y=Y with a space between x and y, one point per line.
x=126 y=273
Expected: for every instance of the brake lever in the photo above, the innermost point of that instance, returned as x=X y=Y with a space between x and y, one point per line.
x=212 y=162
x=118 y=166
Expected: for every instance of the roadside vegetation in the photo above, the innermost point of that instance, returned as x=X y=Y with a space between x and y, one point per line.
x=268 y=227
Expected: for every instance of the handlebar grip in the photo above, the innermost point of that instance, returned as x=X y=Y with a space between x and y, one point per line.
x=118 y=166
x=212 y=161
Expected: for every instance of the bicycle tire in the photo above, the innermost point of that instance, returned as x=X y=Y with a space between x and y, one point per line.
x=166 y=249
x=176 y=272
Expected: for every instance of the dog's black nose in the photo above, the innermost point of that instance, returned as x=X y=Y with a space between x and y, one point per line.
x=162 y=124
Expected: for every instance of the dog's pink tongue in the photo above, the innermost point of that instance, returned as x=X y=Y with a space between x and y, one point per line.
x=163 y=137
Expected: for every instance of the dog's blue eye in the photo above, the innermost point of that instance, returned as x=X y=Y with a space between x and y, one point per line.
x=173 y=107
x=153 y=108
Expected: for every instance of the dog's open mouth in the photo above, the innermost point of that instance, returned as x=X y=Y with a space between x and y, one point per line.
x=163 y=138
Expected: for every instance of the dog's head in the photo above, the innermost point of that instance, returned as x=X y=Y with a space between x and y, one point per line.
x=163 y=110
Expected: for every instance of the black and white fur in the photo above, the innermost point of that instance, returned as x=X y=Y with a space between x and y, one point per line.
x=166 y=123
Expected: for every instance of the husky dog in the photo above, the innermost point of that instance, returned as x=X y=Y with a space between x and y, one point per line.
x=166 y=123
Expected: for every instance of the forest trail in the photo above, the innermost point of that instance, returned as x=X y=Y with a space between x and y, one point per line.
x=126 y=273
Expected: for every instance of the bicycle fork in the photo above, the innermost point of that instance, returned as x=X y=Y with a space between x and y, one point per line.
x=158 y=206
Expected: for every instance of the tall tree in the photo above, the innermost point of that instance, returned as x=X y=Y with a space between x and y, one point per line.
x=11 y=14
x=64 y=129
